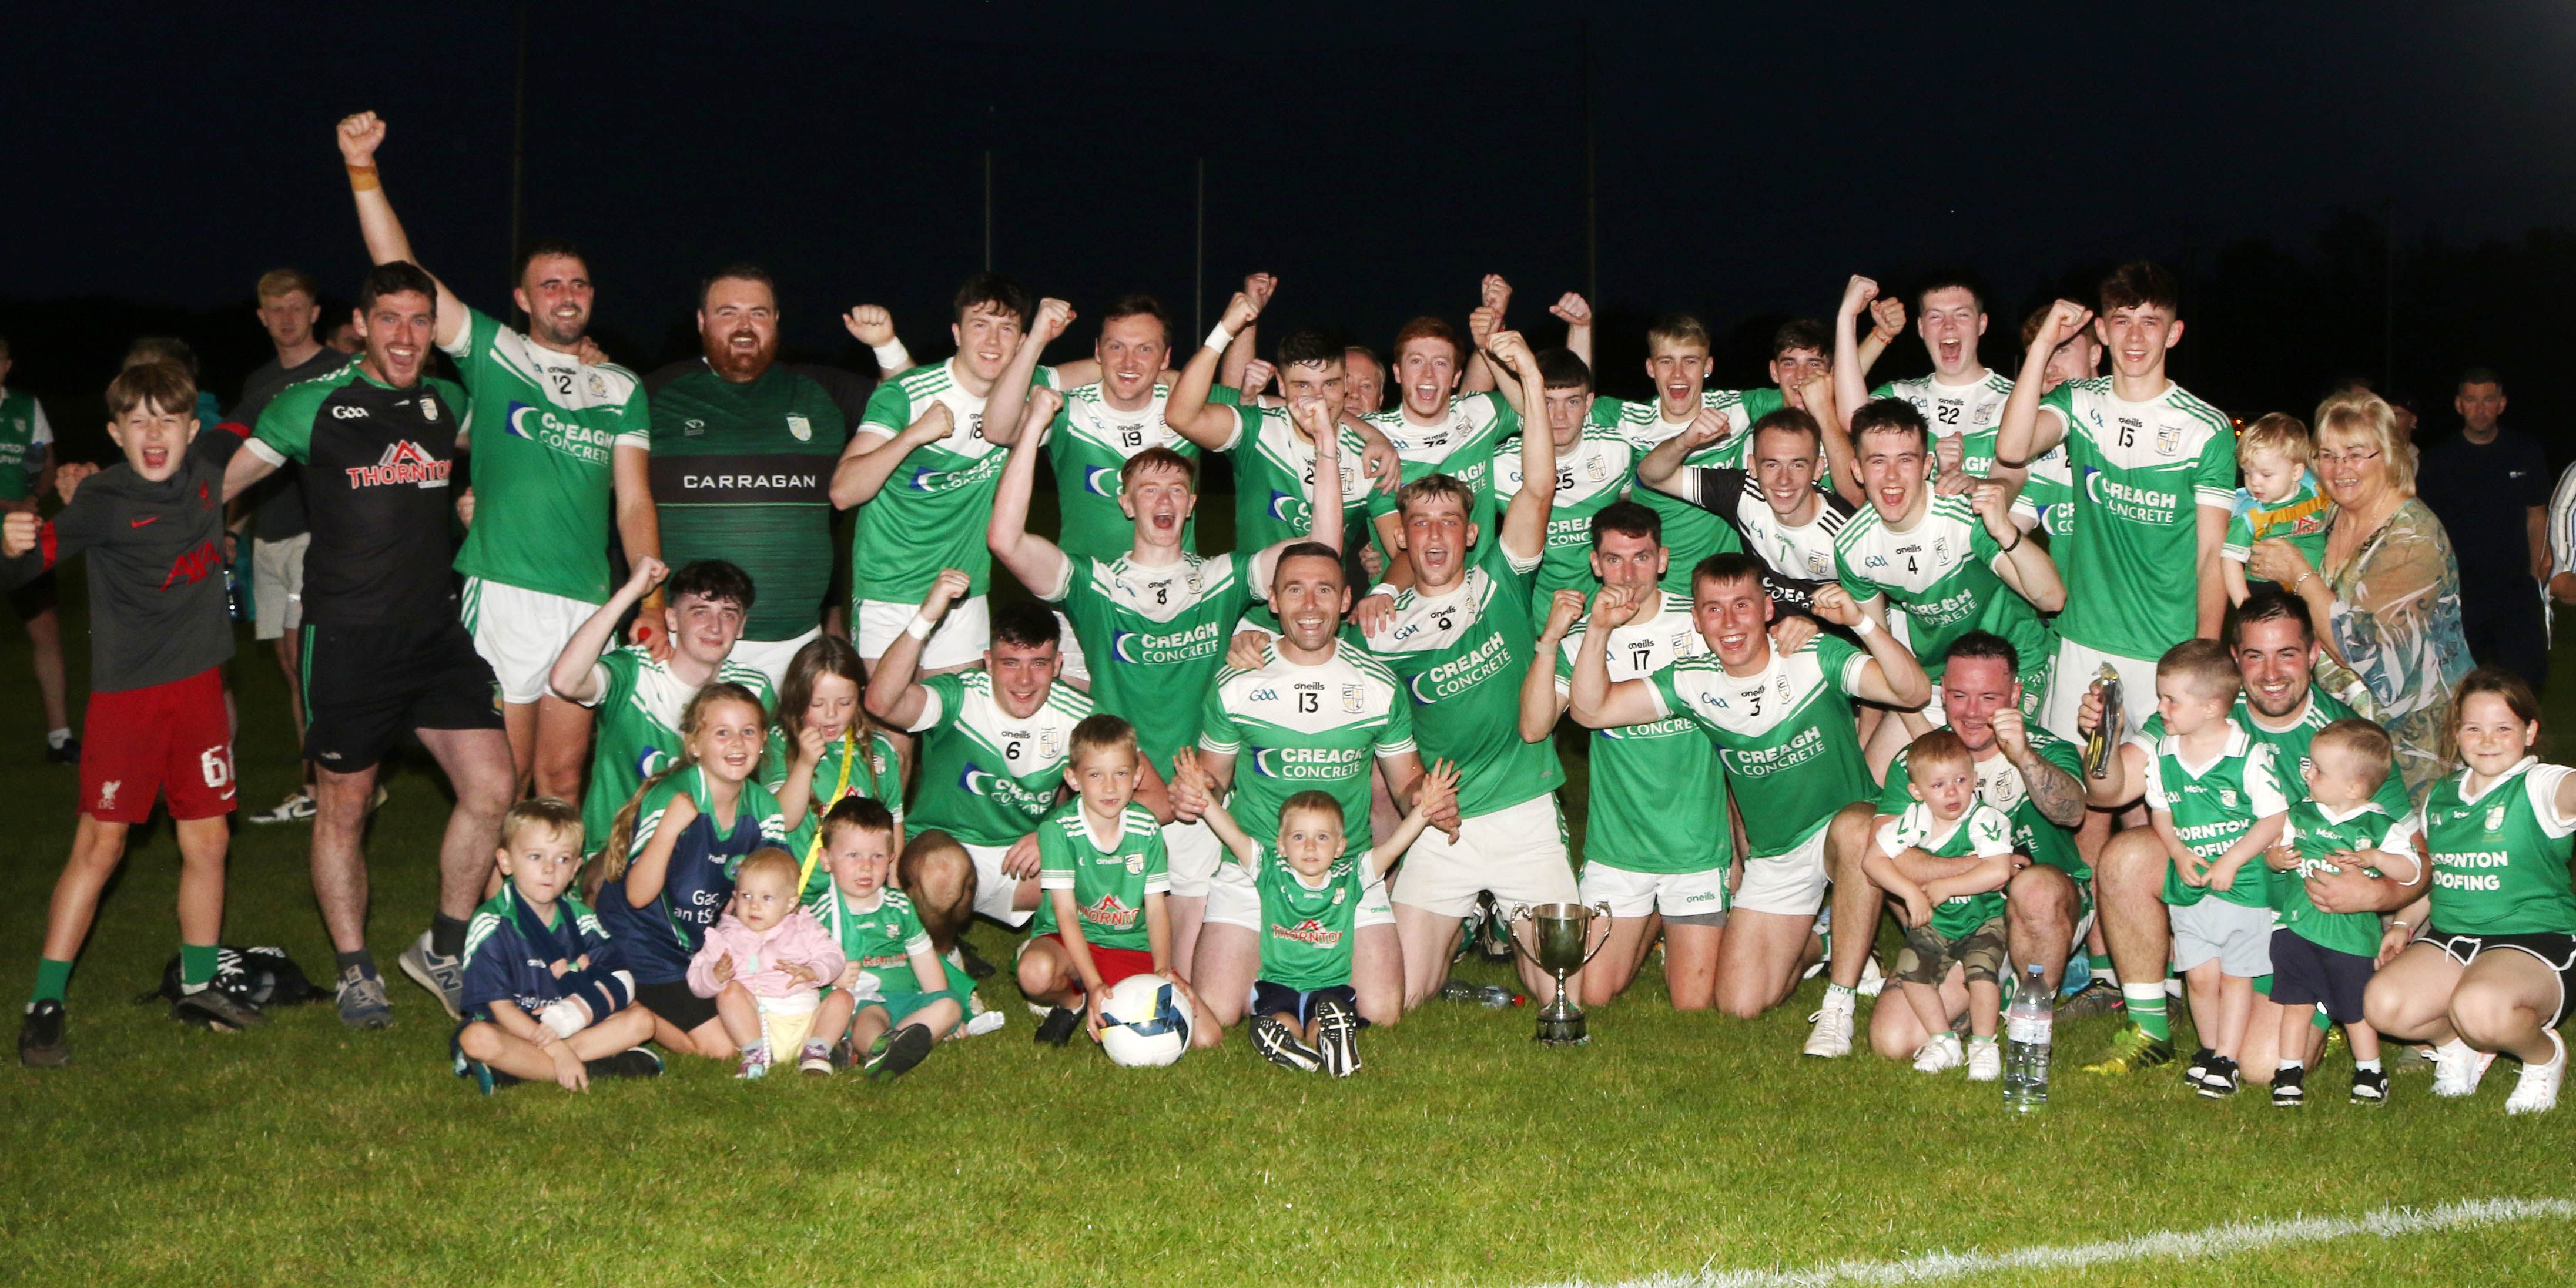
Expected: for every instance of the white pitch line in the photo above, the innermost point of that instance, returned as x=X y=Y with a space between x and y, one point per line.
x=2177 y=1245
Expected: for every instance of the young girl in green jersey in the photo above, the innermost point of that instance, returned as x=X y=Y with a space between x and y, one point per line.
x=825 y=749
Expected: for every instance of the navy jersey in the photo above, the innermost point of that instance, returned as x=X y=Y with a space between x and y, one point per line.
x=656 y=941
x=510 y=951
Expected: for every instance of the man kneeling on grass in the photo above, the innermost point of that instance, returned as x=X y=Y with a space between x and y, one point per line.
x=535 y=1006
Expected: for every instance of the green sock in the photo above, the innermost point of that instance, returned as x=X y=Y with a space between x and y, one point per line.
x=2101 y=964
x=53 y=979
x=2318 y=1017
x=196 y=965
x=2146 y=1004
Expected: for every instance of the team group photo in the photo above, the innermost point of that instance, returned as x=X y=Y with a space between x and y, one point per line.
x=1455 y=726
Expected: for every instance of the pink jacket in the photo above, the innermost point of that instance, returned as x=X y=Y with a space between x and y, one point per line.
x=757 y=956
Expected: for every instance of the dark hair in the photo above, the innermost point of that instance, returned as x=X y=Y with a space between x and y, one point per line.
x=1137 y=306
x=1427 y=327
x=2205 y=664
x=1726 y=566
x=552 y=248
x=914 y=873
x=1791 y=419
x=2268 y=603
x=1307 y=550
x=824 y=655
x=1560 y=369
x=1949 y=280
x=2515 y=691
x=2140 y=285
x=1435 y=487
x=996 y=293
x=738 y=271
x=1985 y=644
x=1890 y=415
x=1802 y=333
x=162 y=348
x=710 y=579
x=2481 y=376
x=866 y=813
x=1309 y=347
x=1158 y=458
x=165 y=387
x=394 y=279
x=1628 y=519
x=1026 y=625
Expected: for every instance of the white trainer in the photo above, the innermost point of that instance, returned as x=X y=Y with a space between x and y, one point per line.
x=1832 y=1036
x=2537 y=1093
x=2457 y=1067
x=1871 y=980
x=1940 y=1053
x=1985 y=1061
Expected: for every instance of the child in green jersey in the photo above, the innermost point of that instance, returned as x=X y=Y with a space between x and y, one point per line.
x=1954 y=920
x=1107 y=883
x=894 y=1018
x=1305 y=1015
x=2325 y=959
x=2279 y=501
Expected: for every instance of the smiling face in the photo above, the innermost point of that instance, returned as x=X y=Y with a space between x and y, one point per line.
x=834 y=704
x=1973 y=689
x=1634 y=560
x=1311 y=840
x=1732 y=616
x=1326 y=382
x=1131 y=351
x=1784 y=467
x=1105 y=778
x=153 y=439
x=555 y=294
x=1795 y=368
x=729 y=740
x=2492 y=738
x=1436 y=536
x=1158 y=499
x=287 y=318
x=1367 y=383
x=2276 y=659
x=2079 y=358
x=738 y=328
x=1678 y=369
x=860 y=858
x=2137 y=337
x=397 y=331
x=2351 y=467
x=540 y=861
x=1021 y=675
x=704 y=629
x=1947 y=785
x=1892 y=468
x=1950 y=325
x=764 y=897
x=986 y=338
x=1309 y=595
x=1427 y=369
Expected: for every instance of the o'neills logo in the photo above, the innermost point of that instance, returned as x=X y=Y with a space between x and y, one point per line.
x=1309 y=931
x=405 y=464
x=1111 y=913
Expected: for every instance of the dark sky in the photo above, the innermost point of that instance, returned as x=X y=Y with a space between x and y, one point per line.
x=1748 y=157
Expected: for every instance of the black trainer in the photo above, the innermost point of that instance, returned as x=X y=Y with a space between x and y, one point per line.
x=1058 y=1026
x=1337 y=1034
x=1281 y=1047
x=909 y=1046
x=2370 y=1086
x=2219 y=1080
x=633 y=1062
x=2198 y=1067
x=213 y=1008
x=41 y=1044
x=972 y=963
x=2289 y=1088
x=67 y=754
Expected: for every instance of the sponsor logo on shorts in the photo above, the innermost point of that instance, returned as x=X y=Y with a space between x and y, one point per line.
x=107 y=793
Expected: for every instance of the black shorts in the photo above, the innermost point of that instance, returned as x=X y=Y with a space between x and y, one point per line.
x=2550 y=948
x=2308 y=973
x=1279 y=999
x=367 y=687
x=35 y=596
x=674 y=1002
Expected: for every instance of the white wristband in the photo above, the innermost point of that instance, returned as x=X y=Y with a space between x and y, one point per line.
x=1219 y=338
x=891 y=355
x=1865 y=626
x=920 y=627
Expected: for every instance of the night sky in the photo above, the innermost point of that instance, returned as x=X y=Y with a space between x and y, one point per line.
x=1748 y=159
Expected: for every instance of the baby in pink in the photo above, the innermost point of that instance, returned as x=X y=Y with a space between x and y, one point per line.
x=765 y=958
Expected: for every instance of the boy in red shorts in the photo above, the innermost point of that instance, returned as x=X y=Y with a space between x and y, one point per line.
x=1107 y=880
x=159 y=637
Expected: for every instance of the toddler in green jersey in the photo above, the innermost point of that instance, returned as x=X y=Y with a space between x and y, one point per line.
x=1106 y=880
x=2325 y=959
x=896 y=998
x=2279 y=501
x=1953 y=920
x=1305 y=1015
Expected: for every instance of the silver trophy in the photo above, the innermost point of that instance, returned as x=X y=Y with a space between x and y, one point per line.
x=1562 y=931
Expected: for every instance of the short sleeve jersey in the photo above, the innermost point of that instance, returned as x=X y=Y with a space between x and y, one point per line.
x=1293 y=728
x=639 y=705
x=2300 y=519
x=2048 y=497
x=2000 y=784
x=1784 y=735
x=933 y=509
x=1306 y=929
x=1462 y=655
x=1981 y=833
x=1089 y=444
x=657 y=940
x=1798 y=560
x=880 y=941
x=24 y=437
x=1972 y=412
x=376 y=465
x=987 y=776
x=1274 y=477
x=1690 y=533
x=545 y=425
x=1656 y=801
x=1154 y=638
x=504 y=962
x=1110 y=882
x=1594 y=473
x=743 y=473
x=1461 y=446
x=2320 y=833
x=2500 y=856
x=2140 y=471
x=846 y=770
x=2213 y=806
x=1942 y=573
x=2290 y=760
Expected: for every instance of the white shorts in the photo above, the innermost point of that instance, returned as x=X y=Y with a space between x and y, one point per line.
x=1194 y=855
x=277 y=585
x=1517 y=852
x=1232 y=900
x=995 y=893
x=1685 y=898
x=1790 y=884
x=2077 y=668
x=770 y=657
x=958 y=640
x=520 y=632
x=2238 y=938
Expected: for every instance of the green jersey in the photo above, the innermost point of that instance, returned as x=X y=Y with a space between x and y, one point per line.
x=1462 y=446
x=1462 y=655
x=1656 y=800
x=2321 y=833
x=1154 y=637
x=1690 y=533
x=1589 y=476
x=2290 y=760
x=2047 y=497
x=545 y=426
x=880 y=941
x=846 y=770
x=1306 y=929
x=1942 y=572
x=988 y=776
x=2300 y=519
x=1981 y=833
x=2213 y=806
x=1294 y=728
x=743 y=473
x=1785 y=735
x=2142 y=471
x=932 y=511
x=2500 y=857
x=1089 y=444
x=1110 y=880
x=1274 y=479
x=639 y=704
x=1972 y=413
x=24 y=440
x=2001 y=785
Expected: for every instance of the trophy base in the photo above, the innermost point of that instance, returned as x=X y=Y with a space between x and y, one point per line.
x=1561 y=1031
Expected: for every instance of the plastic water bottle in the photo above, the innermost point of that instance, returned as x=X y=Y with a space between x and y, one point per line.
x=1489 y=996
x=2026 y=1040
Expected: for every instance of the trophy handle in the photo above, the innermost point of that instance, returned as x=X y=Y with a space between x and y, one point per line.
x=1526 y=913
x=1601 y=910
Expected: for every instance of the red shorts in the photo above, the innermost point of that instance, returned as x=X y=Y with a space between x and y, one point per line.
x=172 y=738
x=1114 y=964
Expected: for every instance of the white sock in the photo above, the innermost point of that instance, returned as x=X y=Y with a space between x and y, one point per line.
x=2365 y=1066
x=2288 y=1065
x=55 y=738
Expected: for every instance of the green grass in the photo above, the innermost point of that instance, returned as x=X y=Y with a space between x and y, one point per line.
x=1463 y=1153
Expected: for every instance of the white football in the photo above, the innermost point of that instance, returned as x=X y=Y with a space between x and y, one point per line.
x=1145 y=1022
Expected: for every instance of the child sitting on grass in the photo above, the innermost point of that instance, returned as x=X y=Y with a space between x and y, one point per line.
x=2279 y=501
x=765 y=963
x=892 y=1015
x=1304 y=1014
x=534 y=1008
x=2327 y=958
x=1105 y=874
x=1953 y=920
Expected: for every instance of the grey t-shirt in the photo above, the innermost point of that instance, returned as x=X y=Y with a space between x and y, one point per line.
x=277 y=501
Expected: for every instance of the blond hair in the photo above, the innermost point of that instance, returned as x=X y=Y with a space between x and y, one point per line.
x=2362 y=747
x=278 y=282
x=2277 y=432
x=559 y=817
x=2361 y=414
x=769 y=859
x=613 y=856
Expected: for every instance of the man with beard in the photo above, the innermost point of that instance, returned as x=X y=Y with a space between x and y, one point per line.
x=558 y=442
x=742 y=468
